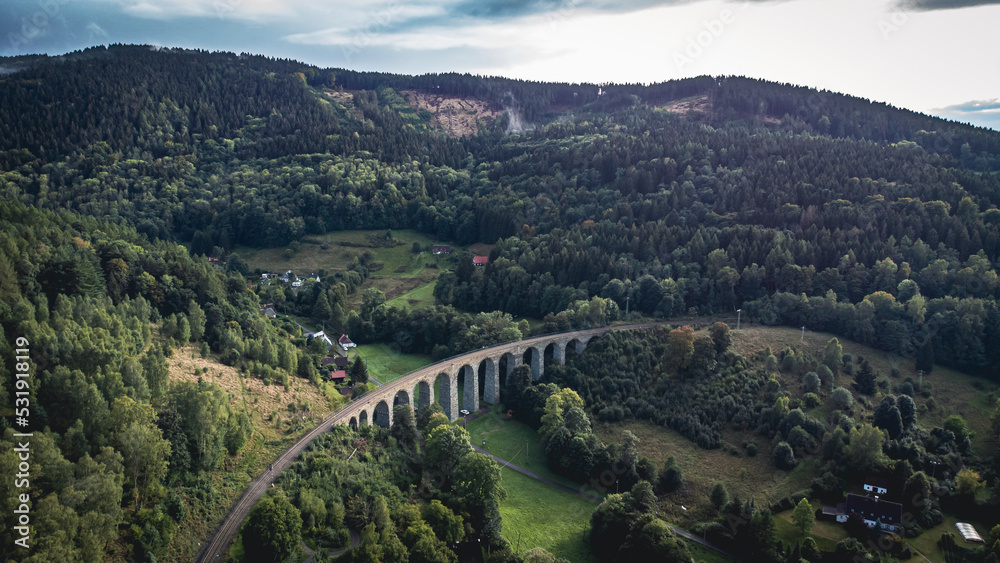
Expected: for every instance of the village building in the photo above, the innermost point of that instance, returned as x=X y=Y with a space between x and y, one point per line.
x=883 y=515
x=877 y=486
x=321 y=335
x=339 y=362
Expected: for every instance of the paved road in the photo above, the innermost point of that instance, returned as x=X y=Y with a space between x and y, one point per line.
x=223 y=535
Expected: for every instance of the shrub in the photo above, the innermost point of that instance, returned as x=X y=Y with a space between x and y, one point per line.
x=841 y=399
x=784 y=457
x=825 y=375
x=720 y=496
x=811 y=382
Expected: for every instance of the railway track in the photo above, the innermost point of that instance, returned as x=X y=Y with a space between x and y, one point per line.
x=224 y=534
x=213 y=549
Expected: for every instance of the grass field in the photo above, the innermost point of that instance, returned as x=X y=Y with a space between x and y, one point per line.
x=826 y=534
x=536 y=514
x=539 y=515
x=400 y=271
x=749 y=477
x=341 y=248
x=515 y=442
x=421 y=296
x=385 y=364
x=705 y=555
x=926 y=543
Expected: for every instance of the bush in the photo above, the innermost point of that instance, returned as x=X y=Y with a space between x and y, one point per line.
x=784 y=457
x=825 y=375
x=811 y=400
x=811 y=382
x=611 y=414
x=672 y=477
x=752 y=449
x=905 y=388
x=841 y=399
x=720 y=496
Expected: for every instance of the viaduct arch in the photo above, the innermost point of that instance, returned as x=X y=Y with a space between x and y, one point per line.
x=478 y=372
x=375 y=407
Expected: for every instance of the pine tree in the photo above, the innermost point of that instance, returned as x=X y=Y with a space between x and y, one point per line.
x=864 y=380
x=720 y=496
x=359 y=372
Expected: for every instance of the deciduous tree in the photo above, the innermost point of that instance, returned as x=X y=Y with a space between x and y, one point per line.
x=803 y=517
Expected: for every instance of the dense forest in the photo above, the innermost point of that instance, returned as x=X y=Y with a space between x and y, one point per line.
x=124 y=169
x=801 y=207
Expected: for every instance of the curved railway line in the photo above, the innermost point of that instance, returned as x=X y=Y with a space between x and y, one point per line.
x=213 y=549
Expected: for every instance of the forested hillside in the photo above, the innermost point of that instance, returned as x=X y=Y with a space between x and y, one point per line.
x=123 y=169
x=800 y=207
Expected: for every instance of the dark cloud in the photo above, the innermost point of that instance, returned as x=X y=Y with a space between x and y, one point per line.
x=502 y=9
x=984 y=113
x=927 y=5
x=506 y=9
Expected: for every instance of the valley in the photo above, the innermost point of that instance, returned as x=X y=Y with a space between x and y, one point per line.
x=819 y=274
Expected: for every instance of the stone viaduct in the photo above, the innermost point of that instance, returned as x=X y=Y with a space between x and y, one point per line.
x=479 y=372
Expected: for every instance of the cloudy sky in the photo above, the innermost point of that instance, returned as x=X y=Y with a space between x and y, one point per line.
x=936 y=56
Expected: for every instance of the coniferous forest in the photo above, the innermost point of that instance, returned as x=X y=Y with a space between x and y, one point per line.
x=126 y=171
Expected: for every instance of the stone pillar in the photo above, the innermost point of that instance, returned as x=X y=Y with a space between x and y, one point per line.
x=470 y=384
x=491 y=394
x=536 y=363
x=449 y=395
x=559 y=352
x=430 y=392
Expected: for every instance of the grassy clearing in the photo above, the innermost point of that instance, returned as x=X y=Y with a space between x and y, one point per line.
x=826 y=534
x=417 y=298
x=400 y=272
x=748 y=477
x=276 y=427
x=515 y=442
x=704 y=555
x=341 y=249
x=386 y=364
x=261 y=400
x=955 y=393
x=926 y=543
x=538 y=515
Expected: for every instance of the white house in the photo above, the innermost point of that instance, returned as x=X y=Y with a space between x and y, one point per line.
x=877 y=486
x=322 y=336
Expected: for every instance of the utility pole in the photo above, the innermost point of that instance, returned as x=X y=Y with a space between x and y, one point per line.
x=801 y=338
x=739 y=313
x=627 y=297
